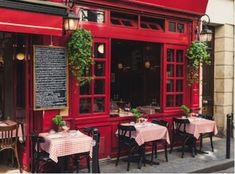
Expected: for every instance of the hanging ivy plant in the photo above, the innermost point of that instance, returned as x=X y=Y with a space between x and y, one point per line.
x=80 y=55
x=197 y=54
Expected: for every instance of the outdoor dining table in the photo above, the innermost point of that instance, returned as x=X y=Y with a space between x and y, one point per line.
x=62 y=144
x=148 y=132
x=6 y=123
x=198 y=126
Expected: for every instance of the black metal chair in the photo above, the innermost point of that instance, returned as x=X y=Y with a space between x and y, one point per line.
x=179 y=133
x=91 y=131
x=206 y=135
x=125 y=141
x=39 y=157
x=154 y=143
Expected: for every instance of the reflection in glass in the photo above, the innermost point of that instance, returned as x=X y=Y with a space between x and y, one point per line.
x=180 y=28
x=179 y=100
x=99 y=86
x=172 y=26
x=99 y=105
x=179 y=71
x=170 y=85
x=99 y=69
x=91 y=15
x=85 y=105
x=179 y=56
x=179 y=85
x=85 y=89
x=170 y=55
x=170 y=70
x=169 y=100
x=99 y=50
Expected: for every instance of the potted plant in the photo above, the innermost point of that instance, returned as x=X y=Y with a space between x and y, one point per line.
x=136 y=114
x=80 y=55
x=185 y=110
x=197 y=54
x=58 y=121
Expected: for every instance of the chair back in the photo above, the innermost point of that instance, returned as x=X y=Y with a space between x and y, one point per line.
x=125 y=130
x=8 y=136
x=205 y=116
x=179 y=125
x=160 y=122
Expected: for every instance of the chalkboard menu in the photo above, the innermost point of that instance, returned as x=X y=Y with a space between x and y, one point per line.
x=50 y=77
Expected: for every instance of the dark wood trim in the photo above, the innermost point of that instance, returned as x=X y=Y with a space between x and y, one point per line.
x=53 y=9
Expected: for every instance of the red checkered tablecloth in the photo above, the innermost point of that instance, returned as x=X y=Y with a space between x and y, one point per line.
x=66 y=143
x=200 y=125
x=147 y=132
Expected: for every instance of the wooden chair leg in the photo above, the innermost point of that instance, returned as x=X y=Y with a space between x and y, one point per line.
x=17 y=158
x=128 y=161
x=212 y=147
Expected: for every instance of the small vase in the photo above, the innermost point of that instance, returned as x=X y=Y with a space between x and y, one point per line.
x=59 y=129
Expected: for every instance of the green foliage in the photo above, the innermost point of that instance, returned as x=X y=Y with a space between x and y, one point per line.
x=185 y=109
x=58 y=121
x=80 y=55
x=136 y=113
x=197 y=54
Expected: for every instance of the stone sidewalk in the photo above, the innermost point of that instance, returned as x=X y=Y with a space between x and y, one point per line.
x=176 y=164
x=202 y=163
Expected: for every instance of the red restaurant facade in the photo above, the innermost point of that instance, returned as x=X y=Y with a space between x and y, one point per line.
x=139 y=53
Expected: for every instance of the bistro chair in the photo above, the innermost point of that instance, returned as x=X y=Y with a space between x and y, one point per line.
x=125 y=141
x=91 y=131
x=179 y=133
x=39 y=157
x=8 y=140
x=206 y=135
x=154 y=143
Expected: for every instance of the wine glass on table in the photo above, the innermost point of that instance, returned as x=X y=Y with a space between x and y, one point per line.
x=66 y=126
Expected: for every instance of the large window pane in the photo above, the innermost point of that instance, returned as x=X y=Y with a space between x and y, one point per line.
x=170 y=55
x=85 y=89
x=179 y=71
x=179 y=85
x=99 y=87
x=170 y=85
x=99 y=105
x=85 y=105
x=91 y=15
x=170 y=70
x=179 y=56
x=172 y=26
x=179 y=100
x=170 y=100
x=99 y=69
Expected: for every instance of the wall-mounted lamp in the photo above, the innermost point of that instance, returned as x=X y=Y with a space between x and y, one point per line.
x=206 y=33
x=71 y=21
x=147 y=64
x=20 y=56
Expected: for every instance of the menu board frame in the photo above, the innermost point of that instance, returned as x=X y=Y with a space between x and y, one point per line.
x=49 y=107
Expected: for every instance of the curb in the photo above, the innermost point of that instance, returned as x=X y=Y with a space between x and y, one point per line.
x=216 y=168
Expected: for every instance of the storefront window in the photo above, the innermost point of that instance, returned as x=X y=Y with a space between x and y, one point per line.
x=175 y=77
x=93 y=94
x=176 y=27
x=91 y=15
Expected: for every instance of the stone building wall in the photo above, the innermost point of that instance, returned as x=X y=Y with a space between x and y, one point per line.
x=223 y=74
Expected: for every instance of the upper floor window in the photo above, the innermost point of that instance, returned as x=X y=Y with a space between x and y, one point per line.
x=152 y=23
x=176 y=27
x=91 y=15
x=128 y=20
